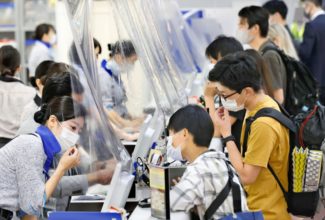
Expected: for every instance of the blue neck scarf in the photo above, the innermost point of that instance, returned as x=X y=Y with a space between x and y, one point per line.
x=48 y=45
x=51 y=147
x=109 y=71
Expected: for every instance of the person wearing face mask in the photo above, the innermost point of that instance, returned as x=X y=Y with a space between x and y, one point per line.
x=237 y=78
x=43 y=49
x=25 y=183
x=111 y=92
x=218 y=49
x=191 y=130
x=122 y=59
x=312 y=48
x=253 y=30
x=278 y=14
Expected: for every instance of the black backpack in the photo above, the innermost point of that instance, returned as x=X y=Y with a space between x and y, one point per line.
x=302 y=203
x=301 y=92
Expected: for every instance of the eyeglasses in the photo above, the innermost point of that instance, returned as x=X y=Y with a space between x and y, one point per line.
x=226 y=97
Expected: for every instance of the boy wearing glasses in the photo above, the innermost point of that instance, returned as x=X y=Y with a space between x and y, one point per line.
x=238 y=81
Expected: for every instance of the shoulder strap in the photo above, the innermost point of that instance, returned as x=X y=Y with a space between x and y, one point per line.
x=272 y=113
x=280 y=117
x=278 y=181
x=222 y=196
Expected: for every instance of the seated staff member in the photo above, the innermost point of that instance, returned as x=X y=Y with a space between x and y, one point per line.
x=25 y=161
x=191 y=131
x=118 y=122
x=121 y=60
x=14 y=95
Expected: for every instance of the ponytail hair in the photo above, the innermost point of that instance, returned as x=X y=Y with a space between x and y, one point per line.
x=9 y=60
x=63 y=108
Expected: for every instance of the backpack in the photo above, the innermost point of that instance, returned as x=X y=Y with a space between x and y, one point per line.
x=301 y=90
x=304 y=202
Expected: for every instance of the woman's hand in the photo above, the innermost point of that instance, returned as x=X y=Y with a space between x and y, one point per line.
x=70 y=159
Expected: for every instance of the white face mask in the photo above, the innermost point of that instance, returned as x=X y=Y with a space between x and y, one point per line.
x=53 y=40
x=126 y=67
x=67 y=139
x=173 y=152
x=244 y=36
x=231 y=105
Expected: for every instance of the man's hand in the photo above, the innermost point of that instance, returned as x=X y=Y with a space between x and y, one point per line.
x=222 y=121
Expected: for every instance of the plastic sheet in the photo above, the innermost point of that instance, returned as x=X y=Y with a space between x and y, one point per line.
x=140 y=23
x=99 y=143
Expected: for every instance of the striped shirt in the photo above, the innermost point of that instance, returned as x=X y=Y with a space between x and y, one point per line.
x=202 y=181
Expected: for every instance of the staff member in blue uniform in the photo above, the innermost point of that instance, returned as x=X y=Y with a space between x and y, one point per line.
x=25 y=184
x=122 y=59
x=45 y=40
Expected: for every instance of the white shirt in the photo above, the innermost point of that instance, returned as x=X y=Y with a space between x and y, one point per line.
x=14 y=96
x=202 y=181
x=317 y=13
x=39 y=53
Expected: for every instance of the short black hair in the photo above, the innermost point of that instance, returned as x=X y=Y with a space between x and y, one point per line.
x=318 y=3
x=73 y=53
x=223 y=45
x=196 y=120
x=97 y=45
x=279 y=6
x=256 y=15
x=61 y=84
x=40 y=72
x=237 y=71
x=43 y=29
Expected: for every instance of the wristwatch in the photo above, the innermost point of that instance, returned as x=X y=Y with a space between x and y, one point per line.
x=227 y=139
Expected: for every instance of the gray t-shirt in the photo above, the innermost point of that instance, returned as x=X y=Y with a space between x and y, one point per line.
x=276 y=67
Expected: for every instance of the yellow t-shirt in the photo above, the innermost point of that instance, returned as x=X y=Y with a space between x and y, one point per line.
x=268 y=142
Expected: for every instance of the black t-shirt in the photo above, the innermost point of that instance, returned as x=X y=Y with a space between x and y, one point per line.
x=237 y=126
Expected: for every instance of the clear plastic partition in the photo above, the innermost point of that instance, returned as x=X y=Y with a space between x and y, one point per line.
x=103 y=155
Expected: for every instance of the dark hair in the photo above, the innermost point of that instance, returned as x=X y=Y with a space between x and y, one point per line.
x=256 y=15
x=237 y=71
x=43 y=29
x=263 y=69
x=223 y=45
x=73 y=53
x=279 y=6
x=196 y=120
x=41 y=71
x=61 y=84
x=9 y=60
x=124 y=48
x=318 y=3
x=64 y=108
x=97 y=44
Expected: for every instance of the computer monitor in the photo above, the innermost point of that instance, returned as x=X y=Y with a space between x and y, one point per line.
x=119 y=189
x=150 y=133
